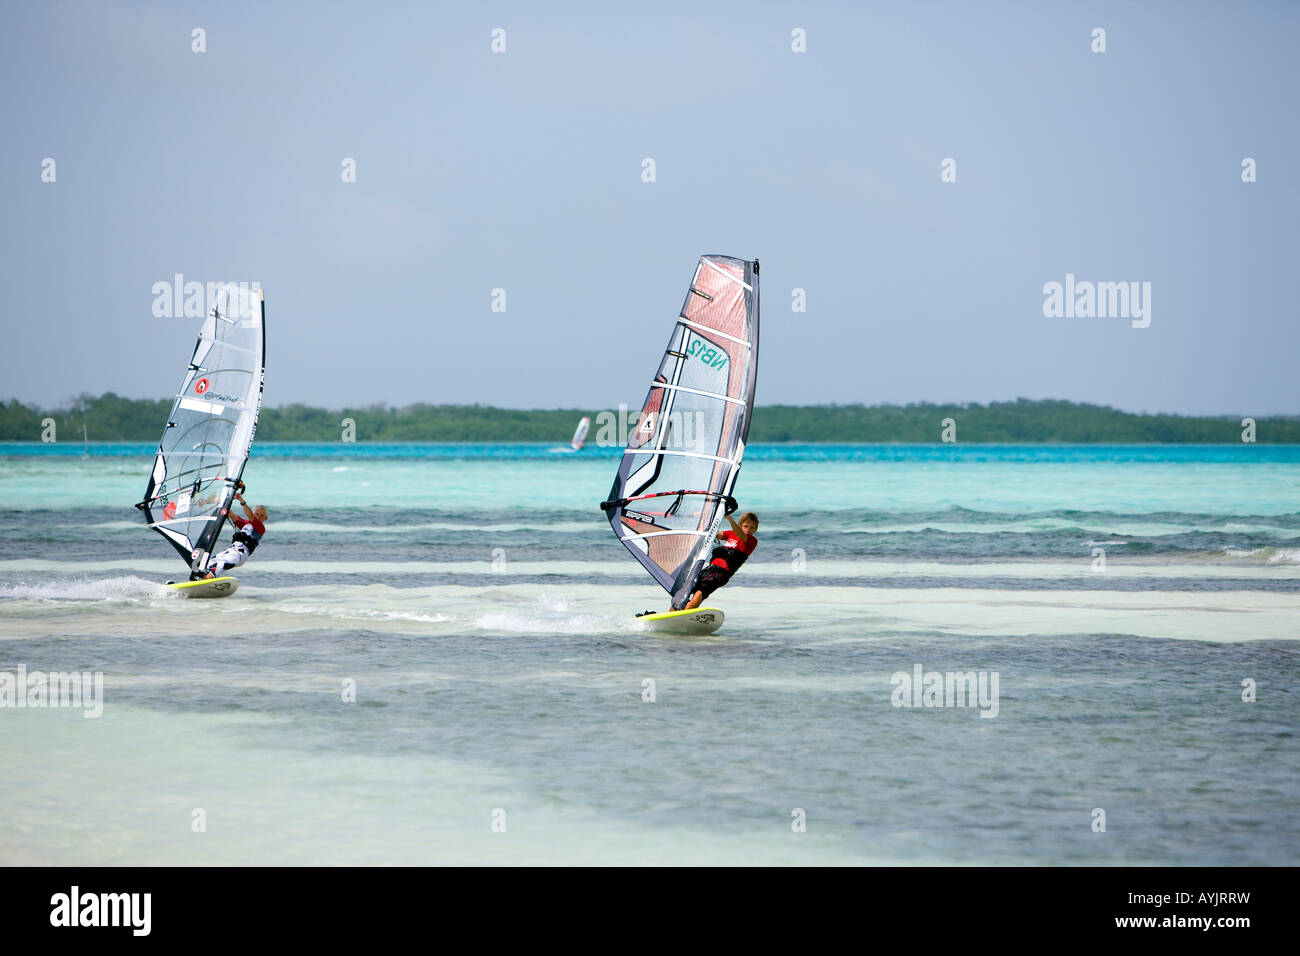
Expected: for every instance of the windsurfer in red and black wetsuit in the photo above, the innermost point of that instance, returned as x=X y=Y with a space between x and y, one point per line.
x=247 y=535
x=733 y=548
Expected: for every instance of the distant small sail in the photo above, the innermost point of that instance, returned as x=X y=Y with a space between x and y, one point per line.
x=209 y=431
x=580 y=435
x=675 y=480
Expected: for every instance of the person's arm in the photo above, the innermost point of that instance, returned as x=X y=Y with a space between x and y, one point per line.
x=736 y=528
x=244 y=504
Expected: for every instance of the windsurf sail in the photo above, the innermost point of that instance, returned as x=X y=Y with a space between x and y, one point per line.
x=678 y=471
x=580 y=434
x=210 y=428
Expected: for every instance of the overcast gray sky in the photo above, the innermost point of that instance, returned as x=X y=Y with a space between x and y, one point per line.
x=522 y=170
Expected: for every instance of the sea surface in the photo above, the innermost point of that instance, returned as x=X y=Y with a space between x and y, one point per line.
x=432 y=659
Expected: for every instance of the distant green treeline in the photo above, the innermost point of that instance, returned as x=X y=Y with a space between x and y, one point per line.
x=113 y=418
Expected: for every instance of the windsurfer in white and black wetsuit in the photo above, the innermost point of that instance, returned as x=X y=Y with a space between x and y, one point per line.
x=733 y=548
x=247 y=536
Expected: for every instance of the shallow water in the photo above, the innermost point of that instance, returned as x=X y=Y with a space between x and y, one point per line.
x=481 y=608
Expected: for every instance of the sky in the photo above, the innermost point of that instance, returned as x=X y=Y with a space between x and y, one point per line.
x=524 y=170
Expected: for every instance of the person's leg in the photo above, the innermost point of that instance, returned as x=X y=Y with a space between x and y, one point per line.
x=710 y=580
x=232 y=557
x=216 y=566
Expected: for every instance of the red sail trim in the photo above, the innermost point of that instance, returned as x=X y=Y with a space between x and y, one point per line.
x=726 y=312
x=648 y=421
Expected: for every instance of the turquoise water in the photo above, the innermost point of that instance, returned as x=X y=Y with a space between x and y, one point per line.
x=478 y=601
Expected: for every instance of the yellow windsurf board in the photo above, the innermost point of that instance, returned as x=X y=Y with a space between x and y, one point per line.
x=701 y=620
x=206 y=587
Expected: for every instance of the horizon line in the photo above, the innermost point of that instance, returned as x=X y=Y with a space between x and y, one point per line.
x=577 y=408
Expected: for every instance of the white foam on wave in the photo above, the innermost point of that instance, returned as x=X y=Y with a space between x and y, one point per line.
x=1233 y=552
x=1270 y=555
x=1269 y=529
x=548 y=612
x=87 y=589
x=523 y=623
x=365 y=614
x=557 y=603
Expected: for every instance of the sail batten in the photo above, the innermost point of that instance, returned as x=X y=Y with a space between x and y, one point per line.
x=705 y=328
x=692 y=428
x=697 y=391
x=684 y=454
x=210 y=428
x=230 y=347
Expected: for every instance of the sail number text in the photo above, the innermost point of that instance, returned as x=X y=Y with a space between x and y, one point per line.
x=710 y=356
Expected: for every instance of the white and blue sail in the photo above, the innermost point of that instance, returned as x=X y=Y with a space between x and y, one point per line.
x=210 y=428
x=580 y=434
x=675 y=481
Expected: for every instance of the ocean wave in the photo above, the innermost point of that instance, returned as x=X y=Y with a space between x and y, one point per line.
x=88 y=589
x=516 y=622
x=364 y=614
x=1268 y=555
